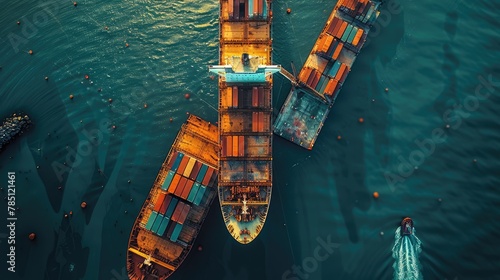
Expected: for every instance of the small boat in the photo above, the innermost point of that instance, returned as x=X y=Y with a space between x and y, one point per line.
x=407 y=226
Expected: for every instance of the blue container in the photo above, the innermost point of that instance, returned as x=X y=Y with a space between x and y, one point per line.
x=163 y=226
x=250 y=8
x=335 y=68
x=192 y=193
x=151 y=220
x=201 y=174
x=323 y=87
x=171 y=207
x=352 y=35
x=320 y=83
x=346 y=33
x=199 y=195
x=168 y=180
x=177 y=161
x=157 y=223
x=176 y=233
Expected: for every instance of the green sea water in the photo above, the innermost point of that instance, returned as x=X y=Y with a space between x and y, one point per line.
x=439 y=60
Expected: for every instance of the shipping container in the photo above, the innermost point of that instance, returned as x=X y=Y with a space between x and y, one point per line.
x=332 y=83
x=251 y=12
x=230 y=8
x=177 y=161
x=337 y=27
x=159 y=201
x=328 y=42
x=262 y=98
x=189 y=167
x=241 y=145
x=264 y=8
x=255 y=97
x=323 y=86
x=235 y=99
x=357 y=37
x=315 y=80
x=168 y=180
x=228 y=100
x=335 y=68
x=346 y=33
x=338 y=50
x=172 y=160
x=163 y=226
x=171 y=207
x=177 y=211
x=331 y=49
x=344 y=75
x=157 y=223
x=213 y=180
x=174 y=184
x=341 y=29
x=206 y=179
x=199 y=195
x=332 y=25
x=184 y=214
x=180 y=187
x=165 y=204
x=171 y=227
x=192 y=193
x=340 y=72
x=319 y=85
x=235 y=146
x=196 y=170
x=352 y=35
x=176 y=233
x=223 y=146
x=151 y=220
x=202 y=173
x=187 y=189
x=183 y=164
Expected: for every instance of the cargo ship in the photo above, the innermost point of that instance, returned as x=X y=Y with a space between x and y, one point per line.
x=179 y=200
x=245 y=112
x=321 y=78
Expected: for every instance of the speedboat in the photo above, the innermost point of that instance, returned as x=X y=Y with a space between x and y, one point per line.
x=407 y=226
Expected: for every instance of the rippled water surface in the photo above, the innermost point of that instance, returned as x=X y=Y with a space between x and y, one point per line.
x=439 y=60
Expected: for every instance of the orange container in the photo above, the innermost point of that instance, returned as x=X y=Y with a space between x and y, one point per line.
x=180 y=187
x=207 y=177
x=228 y=101
x=174 y=183
x=330 y=87
x=187 y=189
x=159 y=201
x=340 y=72
x=328 y=42
x=337 y=50
x=235 y=98
x=229 y=147
x=241 y=145
x=341 y=30
x=183 y=164
x=235 y=146
x=357 y=37
x=223 y=146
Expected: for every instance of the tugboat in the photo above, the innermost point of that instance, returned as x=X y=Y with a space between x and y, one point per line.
x=407 y=226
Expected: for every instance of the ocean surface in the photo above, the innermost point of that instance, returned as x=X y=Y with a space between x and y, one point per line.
x=438 y=59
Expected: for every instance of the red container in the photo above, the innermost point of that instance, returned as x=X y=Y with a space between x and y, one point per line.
x=187 y=189
x=235 y=146
x=172 y=160
x=262 y=97
x=255 y=97
x=165 y=204
x=241 y=145
x=196 y=170
x=206 y=179
x=159 y=201
x=174 y=183
x=229 y=146
x=341 y=30
x=183 y=164
x=180 y=187
x=178 y=211
x=184 y=214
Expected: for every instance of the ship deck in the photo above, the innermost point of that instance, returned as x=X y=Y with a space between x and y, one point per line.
x=245 y=113
x=152 y=252
x=325 y=71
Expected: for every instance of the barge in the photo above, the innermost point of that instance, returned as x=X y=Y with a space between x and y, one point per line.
x=325 y=70
x=245 y=113
x=179 y=200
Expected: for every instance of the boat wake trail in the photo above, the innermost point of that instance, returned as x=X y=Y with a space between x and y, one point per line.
x=405 y=252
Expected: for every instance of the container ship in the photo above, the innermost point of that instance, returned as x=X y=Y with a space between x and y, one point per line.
x=172 y=215
x=325 y=70
x=245 y=112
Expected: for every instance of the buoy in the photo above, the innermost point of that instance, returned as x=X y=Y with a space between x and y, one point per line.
x=200 y=248
x=288 y=10
x=145 y=105
x=114 y=127
x=110 y=100
x=126 y=45
x=75 y=4
x=32 y=236
x=171 y=119
x=373 y=100
x=71 y=213
x=59 y=188
x=474 y=160
x=381 y=233
x=125 y=212
x=99 y=89
x=187 y=96
x=86 y=77
x=375 y=195
x=18 y=22
x=106 y=28
x=128 y=181
x=46 y=78
x=339 y=137
x=65 y=215
x=447 y=126
x=361 y=120
x=386 y=89
x=38 y=167
x=71 y=96
x=30 y=52
x=83 y=205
